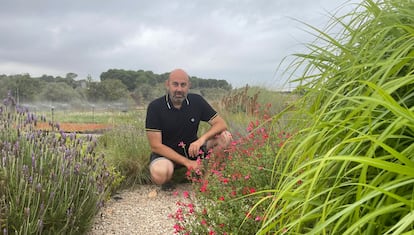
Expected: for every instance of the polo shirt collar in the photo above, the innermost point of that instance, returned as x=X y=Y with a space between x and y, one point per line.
x=167 y=101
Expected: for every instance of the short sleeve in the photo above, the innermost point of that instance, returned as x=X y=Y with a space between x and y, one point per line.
x=207 y=112
x=152 y=122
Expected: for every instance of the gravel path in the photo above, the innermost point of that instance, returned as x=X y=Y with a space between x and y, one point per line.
x=142 y=210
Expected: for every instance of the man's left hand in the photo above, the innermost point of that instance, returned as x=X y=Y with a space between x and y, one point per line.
x=194 y=149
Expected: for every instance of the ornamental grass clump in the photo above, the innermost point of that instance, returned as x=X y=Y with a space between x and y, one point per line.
x=51 y=182
x=353 y=155
x=128 y=151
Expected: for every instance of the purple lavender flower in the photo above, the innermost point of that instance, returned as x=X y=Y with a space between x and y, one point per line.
x=72 y=136
x=77 y=168
x=30 y=179
x=68 y=154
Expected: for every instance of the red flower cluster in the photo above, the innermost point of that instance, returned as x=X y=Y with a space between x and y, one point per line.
x=231 y=183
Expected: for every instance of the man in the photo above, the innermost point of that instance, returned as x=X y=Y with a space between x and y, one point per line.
x=171 y=125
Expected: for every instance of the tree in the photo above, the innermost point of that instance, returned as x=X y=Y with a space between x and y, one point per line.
x=107 y=90
x=59 y=92
x=24 y=87
x=128 y=78
x=114 y=90
x=71 y=76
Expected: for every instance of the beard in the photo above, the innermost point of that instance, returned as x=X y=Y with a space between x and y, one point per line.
x=178 y=97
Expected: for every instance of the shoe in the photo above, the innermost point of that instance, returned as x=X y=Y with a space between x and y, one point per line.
x=168 y=187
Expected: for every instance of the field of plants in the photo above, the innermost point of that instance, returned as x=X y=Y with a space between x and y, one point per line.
x=333 y=157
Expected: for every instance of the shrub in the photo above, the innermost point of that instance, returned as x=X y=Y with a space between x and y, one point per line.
x=226 y=192
x=51 y=183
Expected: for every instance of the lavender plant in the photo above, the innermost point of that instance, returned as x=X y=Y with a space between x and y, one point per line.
x=51 y=182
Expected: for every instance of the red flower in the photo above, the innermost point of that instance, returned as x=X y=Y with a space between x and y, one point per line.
x=178 y=228
x=190 y=208
x=225 y=180
x=188 y=173
x=204 y=186
x=181 y=144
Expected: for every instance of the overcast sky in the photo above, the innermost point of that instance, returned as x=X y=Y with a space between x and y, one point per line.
x=240 y=41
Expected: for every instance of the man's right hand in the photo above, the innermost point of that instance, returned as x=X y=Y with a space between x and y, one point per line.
x=193 y=165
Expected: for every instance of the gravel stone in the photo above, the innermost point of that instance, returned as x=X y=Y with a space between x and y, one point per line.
x=141 y=210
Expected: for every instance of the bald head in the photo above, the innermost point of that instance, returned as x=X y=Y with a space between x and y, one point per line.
x=178 y=74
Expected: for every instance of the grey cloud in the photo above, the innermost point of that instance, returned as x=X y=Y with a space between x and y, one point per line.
x=240 y=41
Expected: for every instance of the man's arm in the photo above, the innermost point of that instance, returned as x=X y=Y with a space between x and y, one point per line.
x=155 y=141
x=217 y=125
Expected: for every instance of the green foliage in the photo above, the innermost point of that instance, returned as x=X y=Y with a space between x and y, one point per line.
x=107 y=90
x=240 y=105
x=127 y=149
x=116 y=84
x=22 y=85
x=353 y=153
x=51 y=183
x=134 y=79
x=58 y=92
x=144 y=93
x=226 y=192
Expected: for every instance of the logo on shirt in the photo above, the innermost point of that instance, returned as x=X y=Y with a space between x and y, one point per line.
x=192 y=120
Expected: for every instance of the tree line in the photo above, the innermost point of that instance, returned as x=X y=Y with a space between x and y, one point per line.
x=114 y=85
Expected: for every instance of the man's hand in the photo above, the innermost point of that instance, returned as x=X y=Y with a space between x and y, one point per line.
x=194 y=148
x=194 y=165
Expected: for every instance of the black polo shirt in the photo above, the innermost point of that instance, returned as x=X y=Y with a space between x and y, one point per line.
x=178 y=125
